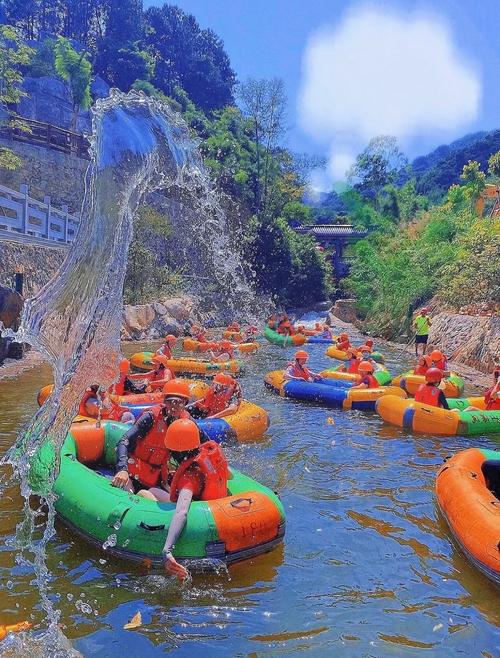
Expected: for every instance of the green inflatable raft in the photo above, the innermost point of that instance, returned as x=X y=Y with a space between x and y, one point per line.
x=248 y=521
x=283 y=340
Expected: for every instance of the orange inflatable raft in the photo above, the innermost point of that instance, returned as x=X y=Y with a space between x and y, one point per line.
x=471 y=510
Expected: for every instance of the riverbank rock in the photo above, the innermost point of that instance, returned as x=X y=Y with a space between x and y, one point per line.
x=154 y=320
x=345 y=310
x=469 y=339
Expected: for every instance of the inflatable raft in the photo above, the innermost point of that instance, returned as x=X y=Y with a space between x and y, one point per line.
x=192 y=345
x=332 y=393
x=235 y=336
x=320 y=341
x=285 y=341
x=425 y=419
x=334 y=353
x=141 y=361
x=382 y=376
x=471 y=510
x=247 y=522
x=452 y=386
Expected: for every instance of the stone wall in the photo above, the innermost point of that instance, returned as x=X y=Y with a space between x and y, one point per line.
x=39 y=264
x=47 y=173
x=469 y=339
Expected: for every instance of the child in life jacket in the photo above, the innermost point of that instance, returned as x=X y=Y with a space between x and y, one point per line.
x=423 y=365
x=234 y=327
x=285 y=326
x=438 y=360
x=298 y=369
x=96 y=403
x=327 y=333
x=343 y=342
x=224 y=351
x=352 y=363
x=166 y=349
x=492 y=395
x=223 y=398
x=125 y=383
x=158 y=377
x=430 y=393
x=199 y=472
x=365 y=370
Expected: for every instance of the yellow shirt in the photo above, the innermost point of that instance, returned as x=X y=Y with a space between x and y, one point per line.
x=422 y=324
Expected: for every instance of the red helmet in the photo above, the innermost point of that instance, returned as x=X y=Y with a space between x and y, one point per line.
x=365 y=366
x=226 y=345
x=433 y=375
x=344 y=336
x=437 y=355
x=301 y=354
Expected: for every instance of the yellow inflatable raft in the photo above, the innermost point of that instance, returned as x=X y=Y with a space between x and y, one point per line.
x=192 y=345
x=452 y=386
x=141 y=361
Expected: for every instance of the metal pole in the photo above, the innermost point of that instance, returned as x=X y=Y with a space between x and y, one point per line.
x=25 y=208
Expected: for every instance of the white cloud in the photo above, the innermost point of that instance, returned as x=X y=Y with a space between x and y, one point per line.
x=382 y=73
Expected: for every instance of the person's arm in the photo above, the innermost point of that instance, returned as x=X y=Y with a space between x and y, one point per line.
x=174 y=530
x=443 y=402
x=127 y=444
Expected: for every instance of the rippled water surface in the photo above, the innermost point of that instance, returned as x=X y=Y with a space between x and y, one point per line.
x=367 y=567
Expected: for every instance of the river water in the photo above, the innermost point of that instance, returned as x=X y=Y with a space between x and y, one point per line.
x=367 y=567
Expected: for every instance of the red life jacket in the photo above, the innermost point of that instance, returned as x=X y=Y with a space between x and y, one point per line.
x=119 y=387
x=165 y=351
x=343 y=345
x=428 y=395
x=299 y=371
x=215 y=402
x=212 y=463
x=353 y=365
x=201 y=337
x=372 y=382
x=420 y=370
x=441 y=364
x=491 y=405
x=148 y=462
x=112 y=411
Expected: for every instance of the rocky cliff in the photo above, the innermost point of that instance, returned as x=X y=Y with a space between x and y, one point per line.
x=38 y=263
x=469 y=339
x=149 y=321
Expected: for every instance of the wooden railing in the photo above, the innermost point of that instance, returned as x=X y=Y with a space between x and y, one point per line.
x=21 y=215
x=49 y=136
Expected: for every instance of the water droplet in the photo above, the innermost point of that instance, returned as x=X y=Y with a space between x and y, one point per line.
x=102 y=561
x=437 y=627
x=110 y=542
x=117 y=525
x=9 y=584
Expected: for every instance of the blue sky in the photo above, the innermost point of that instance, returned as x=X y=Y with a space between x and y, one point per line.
x=427 y=72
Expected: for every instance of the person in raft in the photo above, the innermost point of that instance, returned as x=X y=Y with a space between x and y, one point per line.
x=327 y=332
x=367 y=346
x=298 y=369
x=125 y=384
x=156 y=378
x=365 y=371
x=223 y=398
x=200 y=472
x=168 y=344
x=233 y=327
x=423 y=364
x=285 y=326
x=352 y=361
x=271 y=323
x=250 y=334
x=141 y=456
x=224 y=351
x=438 y=360
x=492 y=395
x=430 y=393
x=96 y=403
x=343 y=342
x=422 y=324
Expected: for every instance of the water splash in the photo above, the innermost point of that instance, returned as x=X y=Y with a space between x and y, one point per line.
x=138 y=145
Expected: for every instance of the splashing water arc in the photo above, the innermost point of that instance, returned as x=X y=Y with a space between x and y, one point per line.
x=138 y=145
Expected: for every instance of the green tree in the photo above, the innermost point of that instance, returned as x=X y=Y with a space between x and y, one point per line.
x=474 y=178
x=494 y=165
x=75 y=68
x=381 y=163
x=13 y=56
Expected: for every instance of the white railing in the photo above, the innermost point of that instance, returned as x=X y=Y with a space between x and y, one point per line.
x=23 y=215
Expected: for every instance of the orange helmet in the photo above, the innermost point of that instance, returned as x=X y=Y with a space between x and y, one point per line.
x=181 y=435
x=301 y=354
x=124 y=366
x=170 y=338
x=224 y=379
x=365 y=366
x=344 y=336
x=433 y=375
x=437 y=355
x=176 y=388
x=159 y=359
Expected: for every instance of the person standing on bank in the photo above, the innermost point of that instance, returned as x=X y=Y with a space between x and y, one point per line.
x=422 y=324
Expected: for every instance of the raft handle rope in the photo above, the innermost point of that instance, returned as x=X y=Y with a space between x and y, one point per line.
x=151 y=528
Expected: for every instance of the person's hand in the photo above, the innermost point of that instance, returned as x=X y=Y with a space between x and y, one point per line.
x=174 y=568
x=121 y=479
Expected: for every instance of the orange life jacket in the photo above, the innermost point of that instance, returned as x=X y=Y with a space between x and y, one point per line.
x=112 y=411
x=300 y=371
x=372 y=382
x=212 y=463
x=491 y=405
x=343 y=345
x=353 y=365
x=428 y=395
x=148 y=462
x=119 y=387
x=215 y=402
x=420 y=370
x=441 y=364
